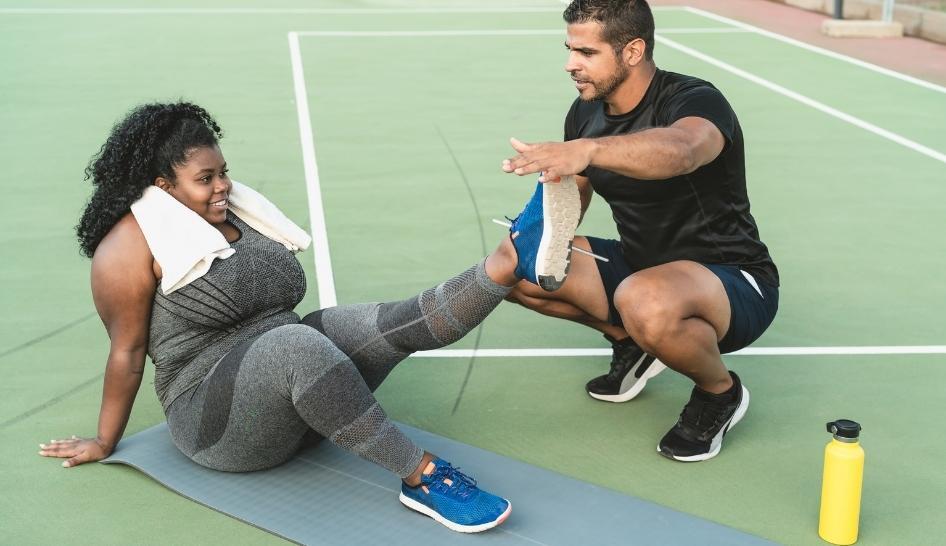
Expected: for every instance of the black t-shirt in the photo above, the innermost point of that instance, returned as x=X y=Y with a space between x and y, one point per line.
x=702 y=216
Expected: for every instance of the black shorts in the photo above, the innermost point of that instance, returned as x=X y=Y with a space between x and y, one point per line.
x=753 y=303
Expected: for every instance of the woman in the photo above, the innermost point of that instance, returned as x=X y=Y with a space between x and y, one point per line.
x=242 y=380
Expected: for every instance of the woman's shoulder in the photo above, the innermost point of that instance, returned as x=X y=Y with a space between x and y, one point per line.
x=123 y=279
x=124 y=246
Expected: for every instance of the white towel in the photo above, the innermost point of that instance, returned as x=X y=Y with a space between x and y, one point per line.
x=263 y=216
x=185 y=245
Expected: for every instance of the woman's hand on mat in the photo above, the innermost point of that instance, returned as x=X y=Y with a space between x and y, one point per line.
x=76 y=450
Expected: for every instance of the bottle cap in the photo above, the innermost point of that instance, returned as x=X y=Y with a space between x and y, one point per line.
x=844 y=429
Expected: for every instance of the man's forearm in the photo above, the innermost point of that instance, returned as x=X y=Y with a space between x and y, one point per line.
x=651 y=154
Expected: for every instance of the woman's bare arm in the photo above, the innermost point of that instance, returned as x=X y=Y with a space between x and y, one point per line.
x=123 y=285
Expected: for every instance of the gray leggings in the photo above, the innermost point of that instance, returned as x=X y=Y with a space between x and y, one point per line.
x=299 y=382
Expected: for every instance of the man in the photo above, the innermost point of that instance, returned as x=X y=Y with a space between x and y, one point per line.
x=690 y=278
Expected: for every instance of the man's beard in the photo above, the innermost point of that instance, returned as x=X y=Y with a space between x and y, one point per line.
x=608 y=86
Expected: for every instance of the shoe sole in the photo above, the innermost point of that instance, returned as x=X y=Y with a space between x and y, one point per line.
x=655 y=368
x=427 y=511
x=561 y=210
x=717 y=443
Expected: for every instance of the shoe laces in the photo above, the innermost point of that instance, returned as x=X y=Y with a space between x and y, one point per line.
x=703 y=415
x=624 y=357
x=617 y=370
x=461 y=485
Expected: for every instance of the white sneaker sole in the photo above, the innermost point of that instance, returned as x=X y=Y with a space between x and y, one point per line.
x=561 y=211
x=427 y=511
x=717 y=442
x=655 y=368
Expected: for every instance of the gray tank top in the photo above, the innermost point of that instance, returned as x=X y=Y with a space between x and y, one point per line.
x=251 y=292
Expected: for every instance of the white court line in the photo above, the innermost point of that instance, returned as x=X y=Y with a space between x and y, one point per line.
x=803 y=45
x=491 y=32
x=428 y=33
x=323 y=260
x=751 y=351
x=858 y=122
x=270 y=11
x=291 y=11
x=820 y=50
x=703 y=30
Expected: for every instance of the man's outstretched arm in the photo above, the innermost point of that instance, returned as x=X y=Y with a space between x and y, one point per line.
x=651 y=154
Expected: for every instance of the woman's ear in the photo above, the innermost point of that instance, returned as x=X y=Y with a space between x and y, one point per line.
x=163 y=183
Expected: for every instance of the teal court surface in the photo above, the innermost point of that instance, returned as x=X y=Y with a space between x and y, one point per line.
x=381 y=127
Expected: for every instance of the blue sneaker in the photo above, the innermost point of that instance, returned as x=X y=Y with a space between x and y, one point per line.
x=546 y=228
x=452 y=498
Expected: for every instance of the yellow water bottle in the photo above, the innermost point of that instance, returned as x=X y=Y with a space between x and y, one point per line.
x=841 y=484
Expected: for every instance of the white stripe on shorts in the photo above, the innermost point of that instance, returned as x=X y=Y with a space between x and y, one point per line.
x=751 y=280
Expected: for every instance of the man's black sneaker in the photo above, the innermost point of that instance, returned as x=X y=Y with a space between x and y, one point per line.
x=631 y=367
x=704 y=422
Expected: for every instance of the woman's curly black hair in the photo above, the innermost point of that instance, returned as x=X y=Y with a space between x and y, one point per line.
x=148 y=143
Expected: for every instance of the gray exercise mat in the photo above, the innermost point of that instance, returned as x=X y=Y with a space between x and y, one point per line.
x=328 y=496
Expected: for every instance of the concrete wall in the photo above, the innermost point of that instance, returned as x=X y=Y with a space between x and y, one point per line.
x=918 y=22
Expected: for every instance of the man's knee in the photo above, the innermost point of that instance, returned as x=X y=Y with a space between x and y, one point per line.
x=648 y=309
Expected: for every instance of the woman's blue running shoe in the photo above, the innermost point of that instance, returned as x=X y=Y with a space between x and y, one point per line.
x=546 y=228
x=452 y=498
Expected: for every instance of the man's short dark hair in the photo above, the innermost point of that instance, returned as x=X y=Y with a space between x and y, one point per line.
x=621 y=21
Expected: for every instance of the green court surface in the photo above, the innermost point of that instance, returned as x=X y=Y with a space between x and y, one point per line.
x=846 y=174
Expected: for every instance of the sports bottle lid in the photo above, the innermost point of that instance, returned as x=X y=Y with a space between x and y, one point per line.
x=844 y=430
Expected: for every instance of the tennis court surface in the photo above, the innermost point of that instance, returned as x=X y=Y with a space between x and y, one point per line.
x=381 y=126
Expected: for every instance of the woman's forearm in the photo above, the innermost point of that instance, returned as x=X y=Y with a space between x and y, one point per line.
x=122 y=379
